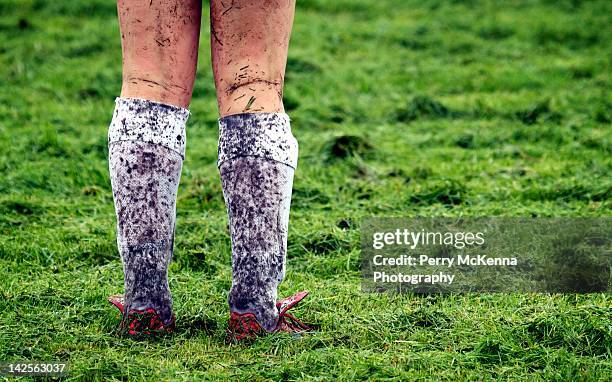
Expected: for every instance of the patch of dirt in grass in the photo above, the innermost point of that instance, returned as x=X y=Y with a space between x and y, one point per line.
x=537 y=113
x=20 y=207
x=345 y=146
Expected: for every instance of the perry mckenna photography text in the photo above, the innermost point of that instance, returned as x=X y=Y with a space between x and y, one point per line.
x=447 y=255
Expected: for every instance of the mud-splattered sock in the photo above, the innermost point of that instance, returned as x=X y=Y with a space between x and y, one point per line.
x=146 y=143
x=257 y=159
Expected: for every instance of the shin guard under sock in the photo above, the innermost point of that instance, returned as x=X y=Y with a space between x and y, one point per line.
x=146 y=143
x=257 y=160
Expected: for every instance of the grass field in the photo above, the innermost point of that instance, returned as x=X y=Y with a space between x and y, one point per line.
x=401 y=108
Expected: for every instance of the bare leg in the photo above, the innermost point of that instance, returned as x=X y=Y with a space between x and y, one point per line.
x=249 y=41
x=159 y=39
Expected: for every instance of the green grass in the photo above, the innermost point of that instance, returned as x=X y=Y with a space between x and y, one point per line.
x=401 y=108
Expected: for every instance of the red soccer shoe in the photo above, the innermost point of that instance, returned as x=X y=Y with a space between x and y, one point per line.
x=243 y=326
x=140 y=322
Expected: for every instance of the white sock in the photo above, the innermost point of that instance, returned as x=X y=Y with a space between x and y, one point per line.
x=146 y=143
x=257 y=160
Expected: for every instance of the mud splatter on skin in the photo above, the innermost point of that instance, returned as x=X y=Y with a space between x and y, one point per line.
x=257 y=158
x=160 y=48
x=146 y=149
x=249 y=40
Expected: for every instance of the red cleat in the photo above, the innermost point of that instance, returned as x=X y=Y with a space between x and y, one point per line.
x=243 y=326
x=140 y=322
x=118 y=300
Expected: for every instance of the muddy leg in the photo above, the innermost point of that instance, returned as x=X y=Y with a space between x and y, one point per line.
x=147 y=142
x=249 y=41
x=257 y=151
x=159 y=40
